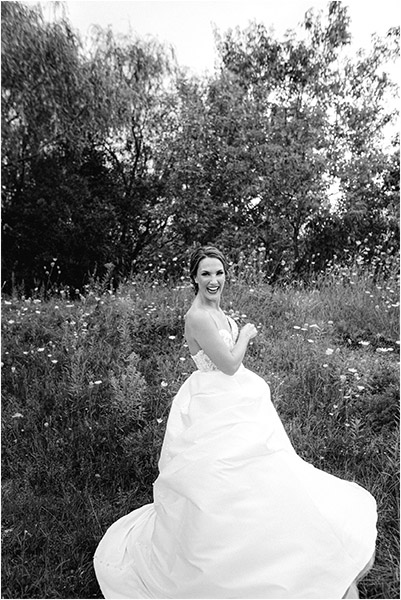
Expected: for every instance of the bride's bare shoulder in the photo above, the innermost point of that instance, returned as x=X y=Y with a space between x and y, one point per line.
x=196 y=317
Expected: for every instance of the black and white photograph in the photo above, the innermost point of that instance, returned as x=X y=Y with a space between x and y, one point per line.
x=200 y=299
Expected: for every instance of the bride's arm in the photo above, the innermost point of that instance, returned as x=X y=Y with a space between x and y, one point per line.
x=202 y=328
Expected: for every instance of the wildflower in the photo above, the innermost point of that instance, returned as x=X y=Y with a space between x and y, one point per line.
x=329 y=351
x=360 y=387
x=164 y=384
x=315 y=326
x=343 y=378
x=182 y=358
x=171 y=337
x=13 y=369
x=159 y=421
x=17 y=415
x=364 y=343
x=97 y=475
x=54 y=361
x=330 y=322
x=98 y=382
x=352 y=370
x=11 y=321
x=46 y=424
x=296 y=327
x=310 y=341
x=41 y=349
x=325 y=365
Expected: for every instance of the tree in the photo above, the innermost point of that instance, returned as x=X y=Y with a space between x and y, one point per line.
x=134 y=76
x=70 y=117
x=43 y=97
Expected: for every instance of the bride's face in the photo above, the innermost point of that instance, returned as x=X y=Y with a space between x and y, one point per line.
x=210 y=278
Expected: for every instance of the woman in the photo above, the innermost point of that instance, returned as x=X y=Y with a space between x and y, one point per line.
x=236 y=513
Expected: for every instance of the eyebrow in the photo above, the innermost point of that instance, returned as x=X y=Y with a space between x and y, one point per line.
x=204 y=272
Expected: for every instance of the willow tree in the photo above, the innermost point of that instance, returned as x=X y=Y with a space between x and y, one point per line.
x=43 y=109
x=81 y=130
x=132 y=82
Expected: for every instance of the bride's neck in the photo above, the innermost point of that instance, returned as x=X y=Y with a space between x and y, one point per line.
x=208 y=304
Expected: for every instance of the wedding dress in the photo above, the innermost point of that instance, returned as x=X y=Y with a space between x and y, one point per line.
x=236 y=513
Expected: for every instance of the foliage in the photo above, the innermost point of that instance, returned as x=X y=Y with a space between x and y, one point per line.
x=87 y=387
x=114 y=159
x=79 y=180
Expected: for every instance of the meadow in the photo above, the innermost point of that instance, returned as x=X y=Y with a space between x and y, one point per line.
x=86 y=390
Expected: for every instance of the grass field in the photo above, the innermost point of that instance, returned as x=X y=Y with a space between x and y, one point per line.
x=87 y=387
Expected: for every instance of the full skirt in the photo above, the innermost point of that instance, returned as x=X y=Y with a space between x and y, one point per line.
x=236 y=512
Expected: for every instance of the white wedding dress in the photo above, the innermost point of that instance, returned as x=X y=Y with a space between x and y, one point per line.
x=236 y=513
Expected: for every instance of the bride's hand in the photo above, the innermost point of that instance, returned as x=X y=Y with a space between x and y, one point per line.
x=249 y=330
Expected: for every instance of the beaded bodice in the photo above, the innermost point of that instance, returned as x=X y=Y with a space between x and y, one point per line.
x=202 y=360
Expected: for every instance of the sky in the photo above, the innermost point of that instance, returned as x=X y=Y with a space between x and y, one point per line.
x=188 y=24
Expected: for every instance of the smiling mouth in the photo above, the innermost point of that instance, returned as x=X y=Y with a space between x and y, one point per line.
x=213 y=290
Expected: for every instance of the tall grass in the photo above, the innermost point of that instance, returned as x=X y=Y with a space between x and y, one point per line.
x=87 y=387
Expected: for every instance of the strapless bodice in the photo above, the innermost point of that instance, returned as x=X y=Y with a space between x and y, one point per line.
x=202 y=360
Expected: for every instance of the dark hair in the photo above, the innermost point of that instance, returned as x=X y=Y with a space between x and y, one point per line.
x=204 y=252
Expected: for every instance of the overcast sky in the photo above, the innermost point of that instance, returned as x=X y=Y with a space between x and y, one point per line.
x=188 y=24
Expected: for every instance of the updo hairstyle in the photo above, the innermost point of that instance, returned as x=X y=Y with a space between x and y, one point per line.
x=198 y=255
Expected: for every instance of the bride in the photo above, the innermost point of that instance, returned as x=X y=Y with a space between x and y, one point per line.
x=236 y=513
